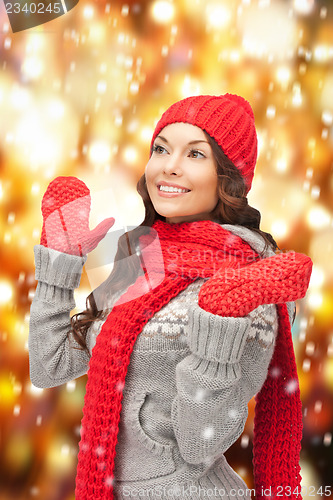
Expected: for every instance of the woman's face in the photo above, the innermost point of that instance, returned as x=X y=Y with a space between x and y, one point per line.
x=182 y=158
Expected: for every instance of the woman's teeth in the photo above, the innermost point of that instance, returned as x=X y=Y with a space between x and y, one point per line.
x=170 y=189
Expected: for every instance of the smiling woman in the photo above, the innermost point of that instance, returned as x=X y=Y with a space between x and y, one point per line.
x=189 y=326
x=182 y=181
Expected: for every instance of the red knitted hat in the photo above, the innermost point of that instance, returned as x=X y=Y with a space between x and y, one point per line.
x=228 y=119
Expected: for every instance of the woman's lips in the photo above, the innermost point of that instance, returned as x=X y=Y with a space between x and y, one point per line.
x=165 y=194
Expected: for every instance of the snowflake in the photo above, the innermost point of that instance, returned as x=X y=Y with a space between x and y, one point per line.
x=84 y=446
x=200 y=394
x=275 y=372
x=100 y=450
x=120 y=386
x=208 y=432
x=233 y=413
x=108 y=481
x=291 y=386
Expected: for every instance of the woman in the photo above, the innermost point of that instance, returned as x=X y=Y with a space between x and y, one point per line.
x=187 y=315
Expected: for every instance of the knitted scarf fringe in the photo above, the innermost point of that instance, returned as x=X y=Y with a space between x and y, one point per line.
x=278 y=422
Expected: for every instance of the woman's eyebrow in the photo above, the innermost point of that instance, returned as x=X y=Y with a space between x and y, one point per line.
x=199 y=140
x=191 y=142
x=163 y=138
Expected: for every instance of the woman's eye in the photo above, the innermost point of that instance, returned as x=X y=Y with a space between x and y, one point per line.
x=196 y=154
x=159 y=149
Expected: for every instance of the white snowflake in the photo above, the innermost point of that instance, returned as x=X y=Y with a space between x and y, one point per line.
x=200 y=394
x=208 y=432
x=120 y=386
x=84 y=446
x=291 y=386
x=233 y=413
x=109 y=481
x=100 y=450
x=275 y=372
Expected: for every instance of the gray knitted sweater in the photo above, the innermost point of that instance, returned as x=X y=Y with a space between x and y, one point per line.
x=189 y=381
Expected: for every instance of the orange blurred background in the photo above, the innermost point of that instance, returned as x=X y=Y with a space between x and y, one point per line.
x=80 y=96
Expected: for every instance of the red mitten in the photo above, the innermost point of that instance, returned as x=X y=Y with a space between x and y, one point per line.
x=236 y=290
x=66 y=209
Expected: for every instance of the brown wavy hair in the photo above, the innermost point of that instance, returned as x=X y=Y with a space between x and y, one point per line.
x=232 y=208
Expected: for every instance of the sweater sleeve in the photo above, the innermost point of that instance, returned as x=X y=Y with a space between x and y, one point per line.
x=227 y=366
x=53 y=359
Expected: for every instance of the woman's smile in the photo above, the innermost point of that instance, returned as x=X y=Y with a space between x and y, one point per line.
x=169 y=190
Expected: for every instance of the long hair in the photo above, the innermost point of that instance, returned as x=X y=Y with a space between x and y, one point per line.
x=232 y=208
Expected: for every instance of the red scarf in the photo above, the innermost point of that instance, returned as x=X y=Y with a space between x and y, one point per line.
x=189 y=251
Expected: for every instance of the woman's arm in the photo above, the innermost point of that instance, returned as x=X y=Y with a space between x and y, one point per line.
x=53 y=359
x=227 y=367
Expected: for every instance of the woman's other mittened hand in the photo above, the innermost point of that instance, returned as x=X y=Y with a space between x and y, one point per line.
x=235 y=289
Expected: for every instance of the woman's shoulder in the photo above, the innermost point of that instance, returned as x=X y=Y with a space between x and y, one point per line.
x=253 y=238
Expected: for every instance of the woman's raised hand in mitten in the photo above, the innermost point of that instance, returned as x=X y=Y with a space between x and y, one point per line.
x=236 y=290
x=65 y=210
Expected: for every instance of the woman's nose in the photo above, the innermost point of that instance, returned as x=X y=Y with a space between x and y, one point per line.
x=172 y=164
